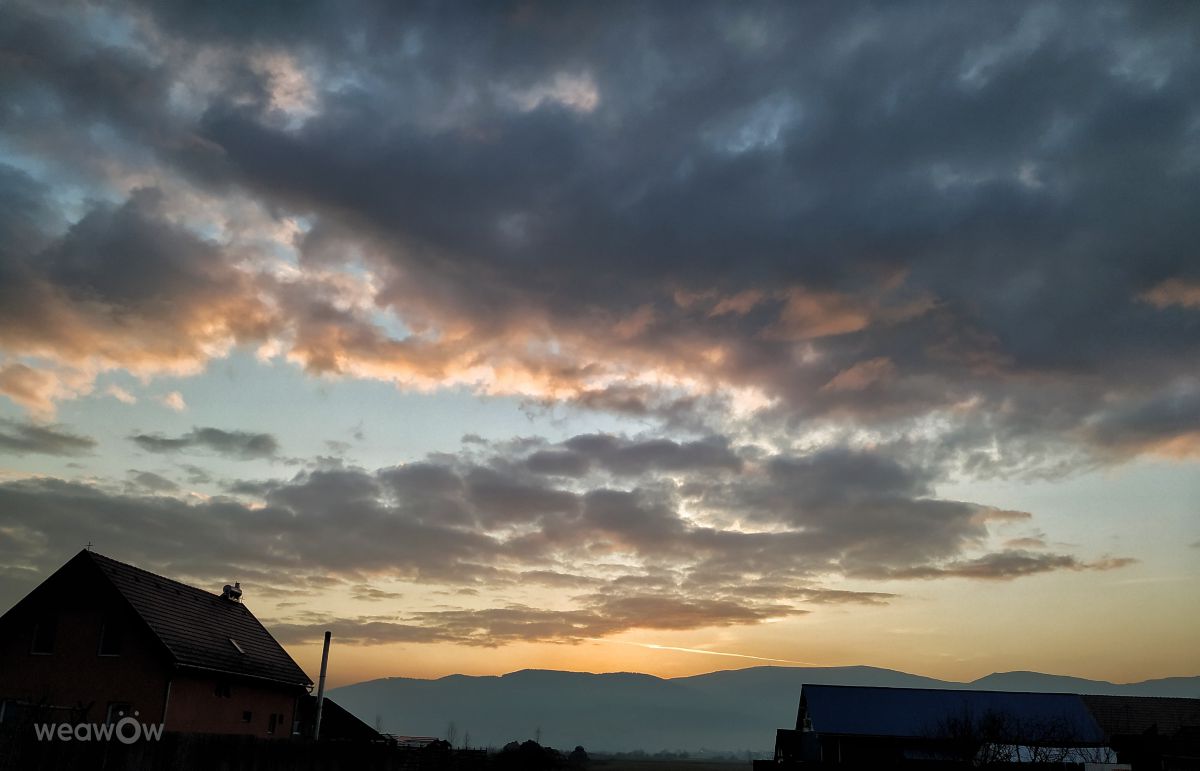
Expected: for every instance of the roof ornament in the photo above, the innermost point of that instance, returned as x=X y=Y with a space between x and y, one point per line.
x=233 y=593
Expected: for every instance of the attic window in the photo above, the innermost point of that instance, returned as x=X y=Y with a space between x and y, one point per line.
x=236 y=647
x=44 y=633
x=110 y=639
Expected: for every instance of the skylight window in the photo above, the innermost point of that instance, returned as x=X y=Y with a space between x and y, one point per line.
x=236 y=647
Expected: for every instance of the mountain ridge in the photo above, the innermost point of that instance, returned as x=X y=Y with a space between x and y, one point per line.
x=731 y=710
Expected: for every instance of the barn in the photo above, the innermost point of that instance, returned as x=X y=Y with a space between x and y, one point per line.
x=874 y=727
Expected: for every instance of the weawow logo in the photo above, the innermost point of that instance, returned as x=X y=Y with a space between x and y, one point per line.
x=127 y=730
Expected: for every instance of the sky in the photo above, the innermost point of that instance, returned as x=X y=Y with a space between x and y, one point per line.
x=615 y=336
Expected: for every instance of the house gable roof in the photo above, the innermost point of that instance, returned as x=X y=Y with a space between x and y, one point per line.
x=917 y=712
x=199 y=629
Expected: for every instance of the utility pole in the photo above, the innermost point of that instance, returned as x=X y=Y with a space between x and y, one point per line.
x=321 y=687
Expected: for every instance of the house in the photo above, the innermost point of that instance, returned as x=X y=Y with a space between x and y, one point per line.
x=99 y=639
x=869 y=727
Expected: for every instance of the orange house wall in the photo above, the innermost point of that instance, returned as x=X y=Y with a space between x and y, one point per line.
x=195 y=707
x=75 y=675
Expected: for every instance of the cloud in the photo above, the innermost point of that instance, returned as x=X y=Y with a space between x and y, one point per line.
x=576 y=92
x=195 y=474
x=125 y=287
x=841 y=596
x=39 y=390
x=21 y=438
x=826 y=266
x=862 y=375
x=517 y=623
x=337 y=447
x=243 y=445
x=585 y=226
x=622 y=456
x=1025 y=542
x=121 y=395
x=1004 y=566
x=993 y=514
x=677 y=548
x=175 y=401
x=1173 y=292
x=151 y=482
x=369 y=593
x=1164 y=423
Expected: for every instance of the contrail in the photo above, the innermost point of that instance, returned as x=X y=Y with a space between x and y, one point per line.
x=655 y=647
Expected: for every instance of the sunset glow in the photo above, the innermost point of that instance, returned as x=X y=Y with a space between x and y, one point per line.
x=603 y=338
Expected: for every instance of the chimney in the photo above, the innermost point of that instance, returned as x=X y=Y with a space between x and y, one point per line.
x=233 y=593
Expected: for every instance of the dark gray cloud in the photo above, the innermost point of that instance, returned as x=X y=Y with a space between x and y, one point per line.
x=620 y=456
x=683 y=548
x=21 y=438
x=492 y=627
x=372 y=594
x=195 y=474
x=971 y=166
x=250 y=487
x=1168 y=420
x=244 y=445
x=886 y=243
x=874 y=215
x=1003 y=566
x=150 y=482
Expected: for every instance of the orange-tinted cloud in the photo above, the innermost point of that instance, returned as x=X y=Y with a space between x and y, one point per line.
x=1173 y=292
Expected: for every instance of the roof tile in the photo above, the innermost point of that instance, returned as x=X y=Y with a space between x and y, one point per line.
x=196 y=626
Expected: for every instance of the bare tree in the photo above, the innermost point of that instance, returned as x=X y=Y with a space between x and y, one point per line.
x=999 y=738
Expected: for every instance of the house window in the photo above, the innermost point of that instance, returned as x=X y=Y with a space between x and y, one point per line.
x=247 y=716
x=272 y=721
x=222 y=689
x=111 y=637
x=44 y=633
x=13 y=711
x=117 y=710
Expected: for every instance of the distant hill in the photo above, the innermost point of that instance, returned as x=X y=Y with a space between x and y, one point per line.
x=1179 y=687
x=729 y=711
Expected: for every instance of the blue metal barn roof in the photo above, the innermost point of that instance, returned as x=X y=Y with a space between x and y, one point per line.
x=915 y=712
